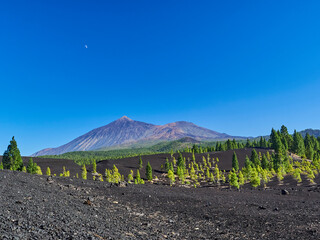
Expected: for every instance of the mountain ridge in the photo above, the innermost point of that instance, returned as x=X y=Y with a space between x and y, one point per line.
x=125 y=131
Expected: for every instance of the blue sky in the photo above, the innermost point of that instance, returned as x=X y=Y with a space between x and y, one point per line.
x=239 y=67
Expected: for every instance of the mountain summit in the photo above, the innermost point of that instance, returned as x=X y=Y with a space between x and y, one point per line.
x=126 y=131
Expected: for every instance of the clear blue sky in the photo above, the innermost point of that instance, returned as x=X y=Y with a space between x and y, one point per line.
x=239 y=67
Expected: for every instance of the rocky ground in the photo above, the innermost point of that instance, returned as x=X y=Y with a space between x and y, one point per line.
x=35 y=207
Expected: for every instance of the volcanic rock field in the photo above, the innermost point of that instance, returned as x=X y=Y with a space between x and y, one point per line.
x=42 y=207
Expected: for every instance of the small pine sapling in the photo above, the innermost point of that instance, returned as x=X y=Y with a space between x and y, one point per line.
x=171 y=177
x=241 y=178
x=94 y=166
x=149 y=171
x=84 y=172
x=48 y=172
x=39 y=172
x=140 y=162
x=233 y=179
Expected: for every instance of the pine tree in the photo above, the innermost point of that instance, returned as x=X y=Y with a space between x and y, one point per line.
x=229 y=145
x=254 y=178
x=181 y=162
x=171 y=177
x=149 y=171
x=248 y=144
x=285 y=134
x=167 y=165
x=11 y=158
x=247 y=162
x=235 y=163
x=217 y=173
x=140 y=162
x=39 y=172
x=264 y=162
x=24 y=169
x=233 y=179
x=31 y=167
x=180 y=174
x=94 y=166
x=309 y=152
x=255 y=158
x=298 y=144
x=273 y=137
x=208 y=173
x=48 y=172
x=171 y=167
x=84 y=172
x=1 y=165
x=138 y=178
x=130 y=176
x=309 y=146
x=296 y=175
x=241 y=178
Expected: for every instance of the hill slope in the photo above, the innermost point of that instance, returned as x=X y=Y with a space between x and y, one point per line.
x=126 y=131
x=312 y=132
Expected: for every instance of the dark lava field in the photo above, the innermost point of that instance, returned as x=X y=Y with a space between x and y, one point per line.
x=42 y=207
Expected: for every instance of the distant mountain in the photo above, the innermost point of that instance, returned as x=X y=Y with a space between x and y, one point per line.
x=126 y=131
x=314 y=132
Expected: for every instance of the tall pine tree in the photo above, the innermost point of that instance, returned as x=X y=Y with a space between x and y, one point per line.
x=298 y=144
x=255 y=158
x=235 y=163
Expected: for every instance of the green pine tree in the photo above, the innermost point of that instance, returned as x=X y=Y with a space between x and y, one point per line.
x=11 y=158
x=298 y=144
x=233 y=179
x=32 y=167
x=171 y=177
x=235 y=163
x=48 y=172
x=309 y=146
x=247 y=162
x=167 y=165
x=255 y=158
x=94 y=166
x=241 y=178
x=84 y=172
x=140 y=162
x=149 y=171
x=264 y=162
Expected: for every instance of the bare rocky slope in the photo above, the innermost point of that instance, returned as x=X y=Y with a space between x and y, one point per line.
x=126 y=131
